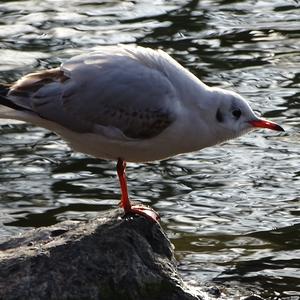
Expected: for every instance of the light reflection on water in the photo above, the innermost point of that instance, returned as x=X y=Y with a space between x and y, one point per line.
x=232 y=211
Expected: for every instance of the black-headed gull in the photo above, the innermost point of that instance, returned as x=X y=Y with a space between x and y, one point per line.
x=129 y=103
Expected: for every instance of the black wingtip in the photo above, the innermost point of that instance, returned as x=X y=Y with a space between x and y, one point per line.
x=8 y=103
x=3 y=89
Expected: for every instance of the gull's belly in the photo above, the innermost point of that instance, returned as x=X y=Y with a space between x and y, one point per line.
x=176 y=139
x=131 y=151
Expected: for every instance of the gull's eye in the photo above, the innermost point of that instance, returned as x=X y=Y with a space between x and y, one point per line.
x=236 y=113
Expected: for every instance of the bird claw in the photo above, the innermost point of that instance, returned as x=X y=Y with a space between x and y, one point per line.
x=144 y=211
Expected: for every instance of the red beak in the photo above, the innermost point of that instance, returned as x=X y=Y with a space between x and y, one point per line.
x=262 y=123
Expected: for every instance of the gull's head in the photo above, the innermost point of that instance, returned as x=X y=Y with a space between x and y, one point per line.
x=234 y=116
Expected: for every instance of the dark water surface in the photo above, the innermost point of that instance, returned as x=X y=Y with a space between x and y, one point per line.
x=232 y=211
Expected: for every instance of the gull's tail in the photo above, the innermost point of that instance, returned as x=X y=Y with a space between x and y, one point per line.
x=8 y=109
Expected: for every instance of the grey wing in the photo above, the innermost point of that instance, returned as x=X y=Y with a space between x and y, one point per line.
x=115 y=95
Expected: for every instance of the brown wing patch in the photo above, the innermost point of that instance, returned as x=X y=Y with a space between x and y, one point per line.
x=151 y=123
x=34 y=81
x=136 y=123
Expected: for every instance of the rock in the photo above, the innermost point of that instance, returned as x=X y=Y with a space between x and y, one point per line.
x=105 y=258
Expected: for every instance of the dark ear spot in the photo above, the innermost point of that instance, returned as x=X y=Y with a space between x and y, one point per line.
x=219 y=116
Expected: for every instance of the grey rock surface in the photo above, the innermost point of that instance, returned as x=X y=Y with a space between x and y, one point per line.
x=105 y=258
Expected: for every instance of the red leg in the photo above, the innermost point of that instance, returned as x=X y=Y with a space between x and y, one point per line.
x=121 y=167
x=140 y=209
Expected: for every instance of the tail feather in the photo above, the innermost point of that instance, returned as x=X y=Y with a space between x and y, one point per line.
x=8 y=109
x=5 y=101
x=8 y=103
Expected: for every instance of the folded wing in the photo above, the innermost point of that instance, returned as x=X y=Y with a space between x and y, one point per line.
x=108 y=92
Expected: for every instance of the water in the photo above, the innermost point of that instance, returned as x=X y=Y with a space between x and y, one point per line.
x=232 y=211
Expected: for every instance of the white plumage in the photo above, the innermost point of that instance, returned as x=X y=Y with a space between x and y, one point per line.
x=129 y=103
